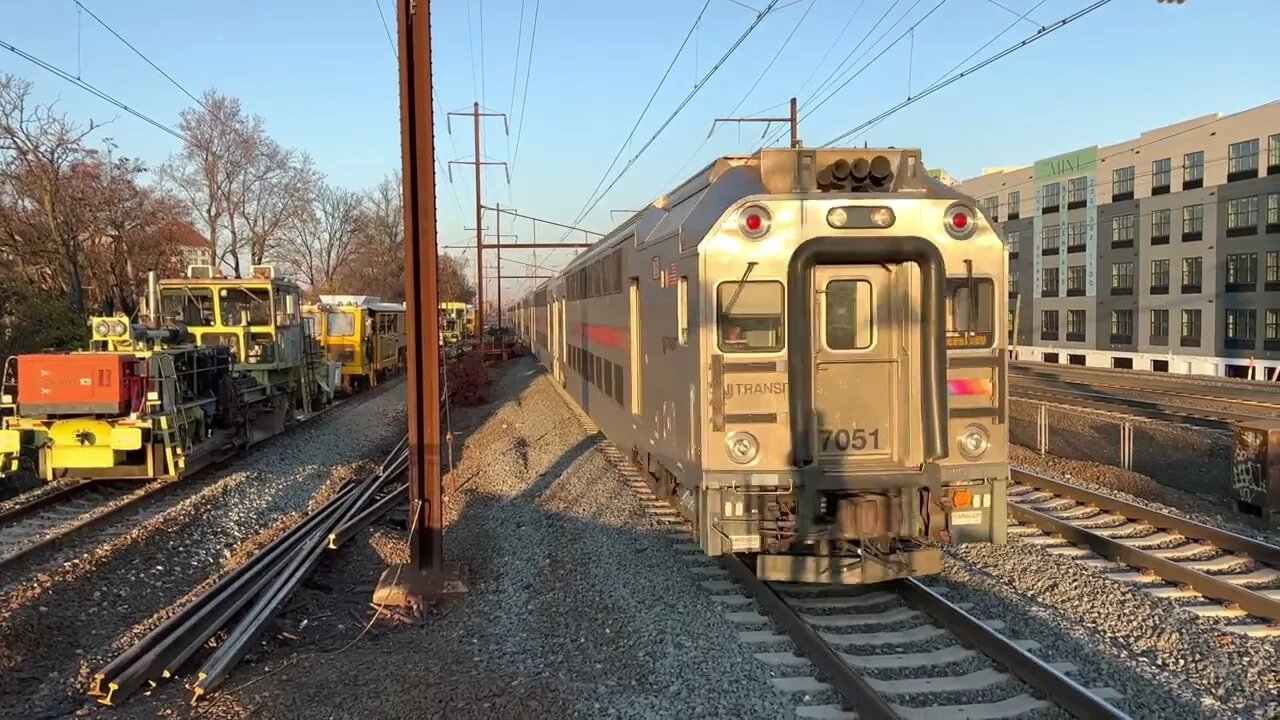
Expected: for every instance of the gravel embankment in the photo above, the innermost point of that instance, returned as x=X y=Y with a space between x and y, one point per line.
x=67 y=621
x=1168 y=664
x=578 y=605
x=1187 y=458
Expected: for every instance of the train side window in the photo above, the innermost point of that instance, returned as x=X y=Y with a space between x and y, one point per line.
x=849 y=309
x=682 y=310
x=749 y=316
x=970 y=312
x=341 y=324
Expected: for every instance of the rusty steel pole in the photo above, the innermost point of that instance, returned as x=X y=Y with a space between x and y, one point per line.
x=795 y=124
x=792 y=119
x=475 y=110
x=426 y=573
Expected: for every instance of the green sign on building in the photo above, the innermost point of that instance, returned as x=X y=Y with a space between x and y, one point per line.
x=1076 y=162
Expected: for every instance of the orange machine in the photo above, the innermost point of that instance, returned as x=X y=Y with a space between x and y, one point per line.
x=79 y=383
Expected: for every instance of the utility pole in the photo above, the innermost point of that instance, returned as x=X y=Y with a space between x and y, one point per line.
x=792 y=119
x=497 y=223
x=427 y=574
x=479 y=163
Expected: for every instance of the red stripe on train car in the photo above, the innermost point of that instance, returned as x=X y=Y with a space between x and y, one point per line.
x=600 y=334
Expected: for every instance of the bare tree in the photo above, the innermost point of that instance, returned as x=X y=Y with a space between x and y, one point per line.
x=326 y=239
x=453 y=282
x=272 y=195
x=45 y=170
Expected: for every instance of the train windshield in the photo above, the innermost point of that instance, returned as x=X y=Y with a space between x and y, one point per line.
x=970 y=312
x=749 y=316
x=342 y=324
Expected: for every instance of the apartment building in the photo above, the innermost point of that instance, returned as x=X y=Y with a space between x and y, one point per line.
x=1157 y=253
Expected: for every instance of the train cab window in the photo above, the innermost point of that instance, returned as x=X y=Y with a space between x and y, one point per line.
x=245 y=306
x=970 y=312
x=849 y=309
x=341 y=324
x=749 y=316
x=192 y=307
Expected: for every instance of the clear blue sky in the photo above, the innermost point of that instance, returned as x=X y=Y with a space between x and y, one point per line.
x=322 y=75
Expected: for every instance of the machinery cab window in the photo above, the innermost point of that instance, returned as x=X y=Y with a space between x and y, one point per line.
x=970 y=312
x=191 y=306
x=749 y=316
x=245 y=306
x=341 y=324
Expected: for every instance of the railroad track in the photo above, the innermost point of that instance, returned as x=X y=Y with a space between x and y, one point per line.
x=1207 y=571
x=1175 y=410
x=51 y=519
x=946 y=663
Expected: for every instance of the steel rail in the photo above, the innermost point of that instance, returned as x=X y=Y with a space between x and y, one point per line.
x=853 y=689
x=61 y=495
x=1057 y=687
x=1205 y=417
x=1211 y=586
x=161 y=486
x=1251 y=400
x=1231 y=388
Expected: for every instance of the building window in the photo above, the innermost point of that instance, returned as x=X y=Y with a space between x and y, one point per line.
x=1122 y=278
x=1122 y=184
x=1049 y=193
x=1077 y=192
x=1012 y=241
x=1121 y=327
x=1242 y=272
x=1160 y=327
x=1192 y=223
x=1160 y=223
x=1272 y=321
x=992 y=207
x=1076 y=325
x=1191 y=271
x=1242 y=325
x=1161 y=176
x=1123 y=230
x=1049 y=282
x=1242 y=160
x=1159 y=277
x=1049 y=236
x=1075 y=281
x=1193 y=170
x=1191 y=328
x=1242 y=216
x=1273 y=154
x=1273 y=268
x=1273 y=212
x=1013 y=282
x=1077 y=236
x=1015 y=205
x=1048 y=324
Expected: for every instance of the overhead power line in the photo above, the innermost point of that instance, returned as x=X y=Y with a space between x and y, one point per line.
x=524 y=97
x=139 y=53
x=701 y=83
x=653 y=96
x=1053 y=27
x=95 y=91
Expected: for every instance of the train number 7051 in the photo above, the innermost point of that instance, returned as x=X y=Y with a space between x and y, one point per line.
x=844 y=440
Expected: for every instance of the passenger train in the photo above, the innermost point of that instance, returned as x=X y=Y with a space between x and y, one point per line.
x=804 y=349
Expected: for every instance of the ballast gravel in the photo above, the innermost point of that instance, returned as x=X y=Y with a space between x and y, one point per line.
x=1205 y=508
x=578 y=606
x=1167 y=664
x=84 y=603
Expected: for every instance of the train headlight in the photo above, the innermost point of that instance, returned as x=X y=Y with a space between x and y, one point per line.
x=101 y=328
x=117 y=327
x=743 y=447
x=961 y=221
x=856 y=217
x=754 y=221
x=974 y=441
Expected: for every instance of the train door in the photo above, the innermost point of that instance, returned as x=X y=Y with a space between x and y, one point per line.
x=861 y=378
x=562 y=346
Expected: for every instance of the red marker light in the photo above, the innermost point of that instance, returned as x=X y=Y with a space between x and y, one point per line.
x=960 y=220
x=754 y=222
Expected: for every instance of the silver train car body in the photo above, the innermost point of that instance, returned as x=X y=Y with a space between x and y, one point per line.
x=806 y=350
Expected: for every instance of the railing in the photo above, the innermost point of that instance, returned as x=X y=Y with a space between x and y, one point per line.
x=1172 y=454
